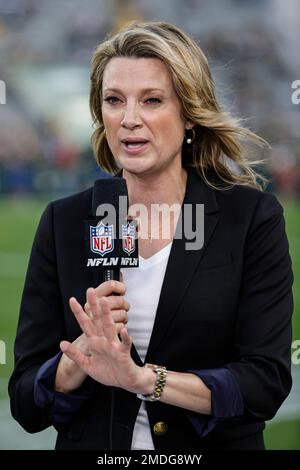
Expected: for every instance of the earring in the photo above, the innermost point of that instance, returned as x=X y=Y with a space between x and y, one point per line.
x=189 y=140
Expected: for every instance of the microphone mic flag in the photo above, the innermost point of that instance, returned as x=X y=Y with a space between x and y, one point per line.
x=112 y=237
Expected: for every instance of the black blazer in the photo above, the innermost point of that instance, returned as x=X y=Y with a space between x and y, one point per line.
x=226 y=305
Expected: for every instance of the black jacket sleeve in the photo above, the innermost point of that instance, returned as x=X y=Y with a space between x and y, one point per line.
x=263 y=333
x=40 y=329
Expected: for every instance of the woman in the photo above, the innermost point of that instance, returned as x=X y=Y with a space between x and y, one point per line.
x=195 y=350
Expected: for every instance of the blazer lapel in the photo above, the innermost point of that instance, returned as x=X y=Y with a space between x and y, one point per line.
x=182 y=262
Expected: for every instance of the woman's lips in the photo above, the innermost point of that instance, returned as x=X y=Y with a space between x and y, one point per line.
x=134 y=148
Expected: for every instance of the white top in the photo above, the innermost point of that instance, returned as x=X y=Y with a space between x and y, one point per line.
x=143 y=287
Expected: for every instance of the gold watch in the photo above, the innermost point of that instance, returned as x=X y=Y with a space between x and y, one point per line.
x=161 y=377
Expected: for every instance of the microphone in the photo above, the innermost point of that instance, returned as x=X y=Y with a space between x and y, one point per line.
x=112 y=241
x=113 y=238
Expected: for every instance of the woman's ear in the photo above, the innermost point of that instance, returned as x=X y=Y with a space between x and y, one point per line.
x=189 y=124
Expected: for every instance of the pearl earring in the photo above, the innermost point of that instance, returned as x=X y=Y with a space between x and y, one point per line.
x=189 y=140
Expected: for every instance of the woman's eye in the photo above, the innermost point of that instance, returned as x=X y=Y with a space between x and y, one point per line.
x=111 y=99
x=153 y=100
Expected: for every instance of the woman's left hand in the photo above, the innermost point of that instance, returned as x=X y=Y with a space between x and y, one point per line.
x=109 y=362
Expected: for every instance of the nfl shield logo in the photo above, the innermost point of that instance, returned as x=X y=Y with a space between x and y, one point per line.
x=128 y=238
x=102 y=239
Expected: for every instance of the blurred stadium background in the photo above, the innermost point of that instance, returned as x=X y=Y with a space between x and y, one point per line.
x=45 y=127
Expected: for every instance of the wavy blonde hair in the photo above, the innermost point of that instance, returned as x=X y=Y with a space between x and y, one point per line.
x=218 y=148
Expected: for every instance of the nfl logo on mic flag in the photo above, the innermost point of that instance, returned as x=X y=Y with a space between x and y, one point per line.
x=128 y=237
x=111 y=245
x=102 y=239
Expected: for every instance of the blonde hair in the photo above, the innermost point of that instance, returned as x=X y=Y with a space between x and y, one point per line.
x=217 y=149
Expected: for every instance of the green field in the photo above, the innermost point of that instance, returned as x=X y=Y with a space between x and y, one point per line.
x=18 y=221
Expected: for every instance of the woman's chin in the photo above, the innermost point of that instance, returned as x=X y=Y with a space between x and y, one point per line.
x=136 y=166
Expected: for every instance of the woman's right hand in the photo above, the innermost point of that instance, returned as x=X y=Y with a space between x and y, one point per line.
x=69 y=376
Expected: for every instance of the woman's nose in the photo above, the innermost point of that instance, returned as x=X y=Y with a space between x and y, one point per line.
x=131 y=117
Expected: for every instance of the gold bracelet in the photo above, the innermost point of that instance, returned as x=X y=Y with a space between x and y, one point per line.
x=161 y=377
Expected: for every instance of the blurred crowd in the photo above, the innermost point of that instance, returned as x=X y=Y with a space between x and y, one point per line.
x=45 y=52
